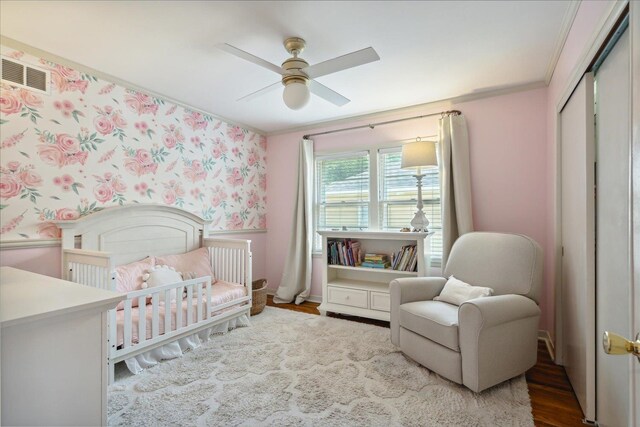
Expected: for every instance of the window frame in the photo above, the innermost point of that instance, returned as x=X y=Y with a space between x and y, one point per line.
x=375 y=220
x=335 y=155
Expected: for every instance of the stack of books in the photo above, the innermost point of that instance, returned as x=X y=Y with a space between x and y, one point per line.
x=376 y=261
x=406 y=259
x=344 y=252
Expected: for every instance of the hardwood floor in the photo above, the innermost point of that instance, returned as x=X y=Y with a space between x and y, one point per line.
x=553 y=401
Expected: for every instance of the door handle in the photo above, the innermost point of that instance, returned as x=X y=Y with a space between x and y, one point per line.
x=616 y=344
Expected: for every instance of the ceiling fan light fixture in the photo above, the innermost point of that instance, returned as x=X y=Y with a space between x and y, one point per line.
x=296 y=94
x=298 y=77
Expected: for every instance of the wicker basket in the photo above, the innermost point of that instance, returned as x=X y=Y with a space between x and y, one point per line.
x=259 y=296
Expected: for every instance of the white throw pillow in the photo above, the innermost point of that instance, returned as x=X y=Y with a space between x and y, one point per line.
x=456 y=292
x=161 y=275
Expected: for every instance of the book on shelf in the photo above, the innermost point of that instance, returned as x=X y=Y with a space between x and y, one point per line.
x=406 y=259
x=376 y=265
x=376 y=258
x=344 y=252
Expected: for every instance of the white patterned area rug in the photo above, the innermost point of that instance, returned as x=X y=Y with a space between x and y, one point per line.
x=296 y=369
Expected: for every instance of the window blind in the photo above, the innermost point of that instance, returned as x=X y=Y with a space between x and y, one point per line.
x=398 y=196
x=342 y=193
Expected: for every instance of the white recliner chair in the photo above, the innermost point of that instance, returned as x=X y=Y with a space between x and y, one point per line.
x=485 y=340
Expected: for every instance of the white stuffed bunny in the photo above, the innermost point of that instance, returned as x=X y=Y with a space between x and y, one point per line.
x=161 y=275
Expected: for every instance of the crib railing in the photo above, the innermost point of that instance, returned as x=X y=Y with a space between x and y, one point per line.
x=91 y=268
x=193 y=311
x=230 y=260
x=142 y=297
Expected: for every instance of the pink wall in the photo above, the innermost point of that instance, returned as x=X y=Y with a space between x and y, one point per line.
x=45 y=260
x=513 y=160
x=586 y=24
x=508 y=169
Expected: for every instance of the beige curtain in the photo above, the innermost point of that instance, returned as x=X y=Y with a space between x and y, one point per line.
x=296 y=277
x=457 y=217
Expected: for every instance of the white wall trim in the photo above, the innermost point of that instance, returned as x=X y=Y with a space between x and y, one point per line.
x=244 y=231
x=29 y=243
x=634 y=24
x=543 y=335
x=557 y=235
x=15 y=44
x=567 y=23
x=48 y=243
x=315 y=298
x=591 y=49
x=442 y=104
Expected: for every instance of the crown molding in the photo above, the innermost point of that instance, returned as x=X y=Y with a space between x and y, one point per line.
x=591 y=48
x=443 y=104
x=565 y=28
x=15 y=44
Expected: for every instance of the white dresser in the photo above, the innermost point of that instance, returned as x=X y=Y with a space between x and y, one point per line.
x=364 y=292
x=53 y=346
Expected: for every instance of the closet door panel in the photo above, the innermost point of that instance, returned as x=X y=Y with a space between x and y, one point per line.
x=613 y=224
x=577 y=294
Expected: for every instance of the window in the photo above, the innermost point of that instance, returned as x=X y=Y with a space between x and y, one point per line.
x=342 y=191
x=368 y=190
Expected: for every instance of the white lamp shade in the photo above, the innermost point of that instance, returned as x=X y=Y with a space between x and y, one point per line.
x=296 y=95
x=419 y=154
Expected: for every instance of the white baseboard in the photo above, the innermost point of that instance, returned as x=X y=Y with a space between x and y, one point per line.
x=312 y=298
x=544 y=336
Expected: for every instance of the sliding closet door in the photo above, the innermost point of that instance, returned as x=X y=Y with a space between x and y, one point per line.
x=613 y=282
x=577 y=297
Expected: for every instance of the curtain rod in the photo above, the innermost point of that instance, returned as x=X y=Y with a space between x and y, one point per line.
x=373 y=125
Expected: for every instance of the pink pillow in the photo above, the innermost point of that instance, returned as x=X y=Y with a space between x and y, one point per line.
x=195 y=261
x=129 y=278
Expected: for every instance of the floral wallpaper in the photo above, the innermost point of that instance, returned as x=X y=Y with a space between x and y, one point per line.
x=92 y=144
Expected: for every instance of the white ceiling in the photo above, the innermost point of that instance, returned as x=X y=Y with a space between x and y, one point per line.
x=429 y=50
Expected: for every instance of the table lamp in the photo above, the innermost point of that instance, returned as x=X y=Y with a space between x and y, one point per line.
x=415 y=156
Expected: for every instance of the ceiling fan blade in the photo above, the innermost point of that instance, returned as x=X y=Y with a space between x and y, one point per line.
x=249 y=57
x=260 y=92
x=327 y=94
x=343 y=62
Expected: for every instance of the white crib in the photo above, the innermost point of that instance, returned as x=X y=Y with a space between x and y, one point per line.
x=94 y=245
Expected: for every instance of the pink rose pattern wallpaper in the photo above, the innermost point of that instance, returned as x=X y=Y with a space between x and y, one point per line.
x=92 y=144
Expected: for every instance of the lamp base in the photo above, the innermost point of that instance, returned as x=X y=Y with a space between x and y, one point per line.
x=420 y=221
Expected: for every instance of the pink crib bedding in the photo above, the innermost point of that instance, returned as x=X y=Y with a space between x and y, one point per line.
x=221 y=292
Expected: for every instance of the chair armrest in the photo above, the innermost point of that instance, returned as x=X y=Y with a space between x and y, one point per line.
x=415 y=289
x=498 y=339
x=409 y=290
x=496 y=310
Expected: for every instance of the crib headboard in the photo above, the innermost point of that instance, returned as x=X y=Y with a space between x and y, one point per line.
x=135 y=231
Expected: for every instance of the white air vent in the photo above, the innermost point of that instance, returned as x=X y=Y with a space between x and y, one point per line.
x=17 y=73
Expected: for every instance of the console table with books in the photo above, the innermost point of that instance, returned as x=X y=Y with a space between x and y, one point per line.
x=357 y=267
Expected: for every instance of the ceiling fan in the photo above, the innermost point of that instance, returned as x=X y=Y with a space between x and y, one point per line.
x=298 y=76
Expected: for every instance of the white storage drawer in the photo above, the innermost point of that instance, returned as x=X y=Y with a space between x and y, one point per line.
x=380 y=301
x=347 y=296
